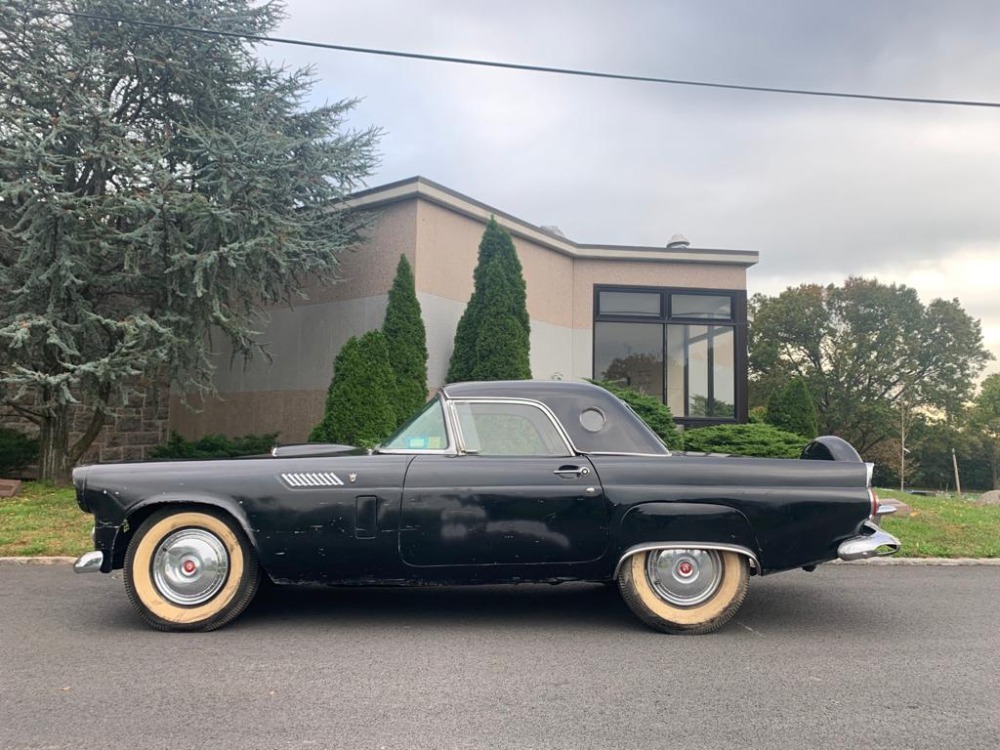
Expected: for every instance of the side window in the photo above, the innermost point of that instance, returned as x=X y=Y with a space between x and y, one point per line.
x=508 y=429
x=425 y=432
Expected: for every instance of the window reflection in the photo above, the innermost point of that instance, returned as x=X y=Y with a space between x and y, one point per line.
x=630 y=354
x=723 y=372
x=718 y=307
x=629 y=303
x=702 y=382
x=508 y=429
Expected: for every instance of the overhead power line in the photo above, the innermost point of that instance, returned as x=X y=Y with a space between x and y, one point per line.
x=528 y=68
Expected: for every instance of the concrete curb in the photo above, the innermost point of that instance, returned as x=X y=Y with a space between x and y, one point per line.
x=37 y=560
x=942 y=561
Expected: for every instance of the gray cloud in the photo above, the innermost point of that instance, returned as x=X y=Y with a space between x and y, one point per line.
x=823 y=188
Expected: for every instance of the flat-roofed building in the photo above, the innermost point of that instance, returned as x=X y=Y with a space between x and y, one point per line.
x=670 y=321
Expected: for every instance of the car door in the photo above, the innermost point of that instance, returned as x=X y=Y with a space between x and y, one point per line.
x=515 y=494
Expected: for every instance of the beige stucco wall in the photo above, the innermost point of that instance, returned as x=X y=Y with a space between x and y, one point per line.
x=447 y=251
x=368 y=270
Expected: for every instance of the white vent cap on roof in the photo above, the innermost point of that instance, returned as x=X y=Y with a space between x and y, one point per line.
x=679 y=240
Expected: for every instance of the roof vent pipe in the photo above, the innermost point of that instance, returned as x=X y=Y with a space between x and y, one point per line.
x=678 y=242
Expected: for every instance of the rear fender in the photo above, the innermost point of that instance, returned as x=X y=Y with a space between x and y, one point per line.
x=686 y=525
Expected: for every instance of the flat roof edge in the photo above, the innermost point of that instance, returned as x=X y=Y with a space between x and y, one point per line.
x=420 y=187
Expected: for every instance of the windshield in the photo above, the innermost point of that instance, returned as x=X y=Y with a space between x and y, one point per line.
x=425 y=432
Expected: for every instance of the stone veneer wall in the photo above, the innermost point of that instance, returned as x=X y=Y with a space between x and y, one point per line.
x=135 y=428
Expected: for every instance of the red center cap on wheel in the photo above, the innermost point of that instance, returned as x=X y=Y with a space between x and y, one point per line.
x=685 y=568
x=189 y=566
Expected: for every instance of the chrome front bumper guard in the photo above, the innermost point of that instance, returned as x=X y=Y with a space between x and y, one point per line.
x=874 y=543
x=89 y=563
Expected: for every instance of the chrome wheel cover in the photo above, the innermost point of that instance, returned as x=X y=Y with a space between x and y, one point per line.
x=190 y=567
x=684 y=577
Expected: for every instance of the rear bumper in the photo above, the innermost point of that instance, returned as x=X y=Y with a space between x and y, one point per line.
x=873 y=542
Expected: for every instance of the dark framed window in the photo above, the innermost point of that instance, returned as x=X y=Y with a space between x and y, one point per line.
x=630 y=303
x=686 y=347
x=713 y=306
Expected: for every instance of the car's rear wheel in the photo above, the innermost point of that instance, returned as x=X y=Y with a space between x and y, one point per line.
x=190 y=570
x=684 y=590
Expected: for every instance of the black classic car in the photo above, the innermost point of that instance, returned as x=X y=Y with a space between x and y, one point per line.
x=496 y=482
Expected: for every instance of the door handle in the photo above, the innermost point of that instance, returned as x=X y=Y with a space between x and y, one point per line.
x=572 y=471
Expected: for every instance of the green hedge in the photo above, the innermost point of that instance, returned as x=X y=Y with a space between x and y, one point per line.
x=215 y=446
x=760 y=440
x=17 y=451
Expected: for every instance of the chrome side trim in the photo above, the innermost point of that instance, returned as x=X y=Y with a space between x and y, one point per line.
x=89 y=563
x=877 y=543
x=312 y=480
x=869 y=473
x=648 y=546
x=627 y=453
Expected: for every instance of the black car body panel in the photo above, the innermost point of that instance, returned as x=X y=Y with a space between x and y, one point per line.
x=452 y=515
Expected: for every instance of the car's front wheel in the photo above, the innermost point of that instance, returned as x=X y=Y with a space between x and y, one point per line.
x=684 y=590
x=190 y=570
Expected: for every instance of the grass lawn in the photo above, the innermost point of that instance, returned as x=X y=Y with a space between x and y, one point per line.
x=945 y=526
x=43 y=520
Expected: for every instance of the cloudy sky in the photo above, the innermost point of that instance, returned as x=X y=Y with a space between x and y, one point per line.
x=823 y=188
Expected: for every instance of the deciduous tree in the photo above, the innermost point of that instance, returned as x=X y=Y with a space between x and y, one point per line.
x=985 y=419
x=155 y=185
x=860 y=347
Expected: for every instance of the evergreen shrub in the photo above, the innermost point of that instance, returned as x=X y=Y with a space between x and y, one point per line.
x=360 y=402
x=791 y=408
x=653 y=412
x=17 y=451
x=762 y=440
x=492 y=341
x=215 y=446
x=406 y=338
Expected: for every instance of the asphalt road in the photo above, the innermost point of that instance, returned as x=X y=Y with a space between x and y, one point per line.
x=846 y=657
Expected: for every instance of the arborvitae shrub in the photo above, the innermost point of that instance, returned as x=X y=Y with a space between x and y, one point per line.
x=499 y=295
x=406 y=338
x=360 y=402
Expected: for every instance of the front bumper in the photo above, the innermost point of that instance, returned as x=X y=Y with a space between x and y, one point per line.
x=89 y=563
x=873 y=543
